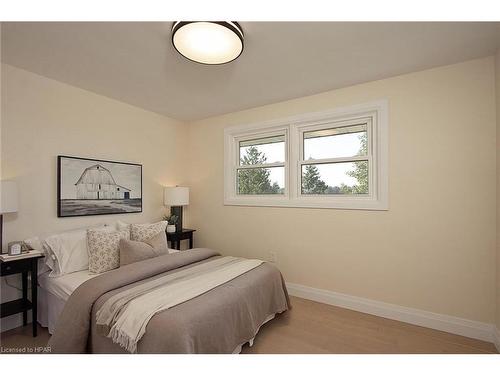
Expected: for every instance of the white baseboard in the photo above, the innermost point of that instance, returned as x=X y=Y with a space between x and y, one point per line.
x=446 y=323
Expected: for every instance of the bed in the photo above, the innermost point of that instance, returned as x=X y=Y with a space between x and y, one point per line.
x=219 y=319
x=53 y=292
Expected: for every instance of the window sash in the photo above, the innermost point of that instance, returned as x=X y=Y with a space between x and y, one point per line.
x=335 y=160
x=356 y=128
x=361 y=129
x=258 y=141
x=266 y=165
x=332 y=125
x=325 y=195
x=263 y=194
x=260 y=135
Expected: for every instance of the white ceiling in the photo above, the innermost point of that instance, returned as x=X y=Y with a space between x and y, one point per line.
x=136 y=63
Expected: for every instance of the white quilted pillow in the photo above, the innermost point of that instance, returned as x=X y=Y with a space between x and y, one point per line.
x=144 y=232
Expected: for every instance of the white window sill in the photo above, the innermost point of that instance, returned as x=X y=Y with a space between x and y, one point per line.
x=339 y=203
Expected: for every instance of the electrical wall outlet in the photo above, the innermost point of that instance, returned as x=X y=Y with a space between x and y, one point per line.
x=273 y=257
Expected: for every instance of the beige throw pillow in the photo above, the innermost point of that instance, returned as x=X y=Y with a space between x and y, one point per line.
x=104 y=250
x=120 y=225
x=143 y=232
x=134 y=251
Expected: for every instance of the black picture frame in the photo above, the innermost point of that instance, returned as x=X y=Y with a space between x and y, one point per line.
x=91 y=206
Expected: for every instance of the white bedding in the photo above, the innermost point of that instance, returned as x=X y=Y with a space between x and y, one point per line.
x=64 y=285
x=49 y=309
x=53 y=292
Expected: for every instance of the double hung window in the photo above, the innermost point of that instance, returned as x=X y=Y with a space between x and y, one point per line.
x=335 y=159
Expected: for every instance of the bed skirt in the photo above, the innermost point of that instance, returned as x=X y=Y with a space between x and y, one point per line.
x=50 y=308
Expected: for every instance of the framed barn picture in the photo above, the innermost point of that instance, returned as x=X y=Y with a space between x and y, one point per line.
x=97 y=187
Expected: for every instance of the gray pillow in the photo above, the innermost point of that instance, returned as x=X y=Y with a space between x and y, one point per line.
x=135 y=251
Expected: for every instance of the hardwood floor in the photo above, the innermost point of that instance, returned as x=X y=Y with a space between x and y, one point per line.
x=312 y=327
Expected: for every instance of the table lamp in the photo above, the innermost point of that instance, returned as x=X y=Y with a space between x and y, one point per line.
x=8 y=192
x=176 y=197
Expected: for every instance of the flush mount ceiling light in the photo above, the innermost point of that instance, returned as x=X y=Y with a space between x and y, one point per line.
x=208 y=42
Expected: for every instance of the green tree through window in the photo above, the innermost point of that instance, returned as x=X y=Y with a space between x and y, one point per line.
x=313 y=184
x=360 y=172
x=256 y=180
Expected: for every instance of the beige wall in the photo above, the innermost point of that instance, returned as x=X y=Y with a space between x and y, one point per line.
x=433 y=250
x=42 y=118
x=435 y=247
x=497 y=71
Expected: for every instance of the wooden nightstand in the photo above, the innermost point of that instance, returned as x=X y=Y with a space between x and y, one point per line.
x=176 y=238
x=23 y=265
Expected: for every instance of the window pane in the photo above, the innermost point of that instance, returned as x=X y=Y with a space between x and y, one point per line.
x=335 y=143
x=263 y=150
x=261 y=180
x=335 y=178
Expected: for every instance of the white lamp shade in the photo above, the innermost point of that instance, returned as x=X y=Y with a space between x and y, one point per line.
x=8 y=190
x=176 y=196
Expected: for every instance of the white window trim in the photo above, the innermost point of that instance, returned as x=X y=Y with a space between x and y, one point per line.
x=378 y=197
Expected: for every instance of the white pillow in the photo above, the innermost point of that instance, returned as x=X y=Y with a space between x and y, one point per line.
x=67 y=252
x=36 y=244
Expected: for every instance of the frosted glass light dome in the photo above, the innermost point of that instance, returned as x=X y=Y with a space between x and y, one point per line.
x=208 y=42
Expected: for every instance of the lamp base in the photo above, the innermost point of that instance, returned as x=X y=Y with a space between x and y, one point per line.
x=177 y=211
x=1 y=234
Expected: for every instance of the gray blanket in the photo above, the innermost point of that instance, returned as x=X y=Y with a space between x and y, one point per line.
x=214 y=322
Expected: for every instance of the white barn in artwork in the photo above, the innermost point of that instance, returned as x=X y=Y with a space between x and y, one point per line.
x=96 y=182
